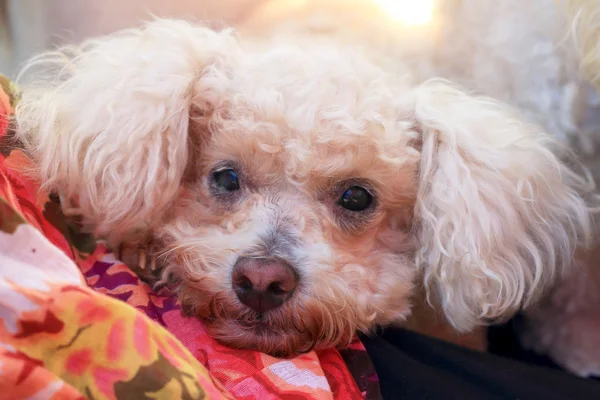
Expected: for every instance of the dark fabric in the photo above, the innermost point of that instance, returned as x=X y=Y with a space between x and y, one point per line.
x=412 y=366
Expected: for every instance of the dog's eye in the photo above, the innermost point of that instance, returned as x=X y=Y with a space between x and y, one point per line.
x=356 y=198
x=227 y=179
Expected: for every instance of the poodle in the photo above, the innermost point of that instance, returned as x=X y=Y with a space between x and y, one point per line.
x=294 y=189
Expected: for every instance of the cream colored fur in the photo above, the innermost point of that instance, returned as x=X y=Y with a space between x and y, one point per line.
x=471 y=198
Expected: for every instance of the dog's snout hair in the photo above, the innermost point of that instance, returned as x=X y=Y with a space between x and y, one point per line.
x=280 y=241
x=284 y=220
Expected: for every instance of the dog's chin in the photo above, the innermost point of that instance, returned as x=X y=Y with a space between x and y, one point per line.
x=295 y=328
x=260 y=336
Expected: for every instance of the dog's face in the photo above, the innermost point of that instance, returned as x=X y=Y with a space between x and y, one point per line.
x=299 y=191
x=295 y=226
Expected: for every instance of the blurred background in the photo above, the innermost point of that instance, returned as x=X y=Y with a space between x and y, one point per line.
x=29 y=26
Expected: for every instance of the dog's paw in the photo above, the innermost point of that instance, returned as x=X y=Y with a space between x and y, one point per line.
x=583 y=366
x=142 y=259
x=69 y=208
x=572 y=342
x=579 y=349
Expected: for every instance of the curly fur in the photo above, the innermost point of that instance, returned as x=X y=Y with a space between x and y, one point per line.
x=491 y=168
x=471 y=200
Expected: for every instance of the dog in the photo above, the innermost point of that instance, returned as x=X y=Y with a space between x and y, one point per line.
x=295 y=189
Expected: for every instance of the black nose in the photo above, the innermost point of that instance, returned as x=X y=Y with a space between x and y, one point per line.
x=263 y=284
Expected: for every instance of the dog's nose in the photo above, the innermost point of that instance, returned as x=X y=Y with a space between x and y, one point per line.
x=263 y=284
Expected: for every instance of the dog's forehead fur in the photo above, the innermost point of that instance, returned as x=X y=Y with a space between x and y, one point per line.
x=313 y=114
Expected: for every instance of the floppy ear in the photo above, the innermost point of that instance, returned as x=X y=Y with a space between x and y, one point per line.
x=108 y=123
x=499 y=214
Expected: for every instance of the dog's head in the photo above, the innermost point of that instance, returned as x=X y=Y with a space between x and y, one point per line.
x=300 y=191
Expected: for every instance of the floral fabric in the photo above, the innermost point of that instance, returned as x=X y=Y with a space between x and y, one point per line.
x=76 y=323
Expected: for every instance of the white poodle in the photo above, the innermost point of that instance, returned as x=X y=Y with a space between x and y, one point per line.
x=297 y=185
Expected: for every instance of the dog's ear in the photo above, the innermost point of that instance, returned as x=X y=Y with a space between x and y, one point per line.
x=499 y=215
x=108 y=122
